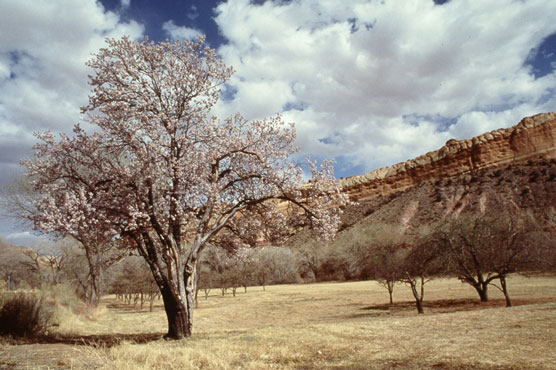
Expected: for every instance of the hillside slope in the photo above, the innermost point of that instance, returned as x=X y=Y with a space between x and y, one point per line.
x=506 y=171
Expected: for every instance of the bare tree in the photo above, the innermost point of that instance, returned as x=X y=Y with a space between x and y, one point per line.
x=13 y=269
x=380 y=252
x=422 y=262
x=513 y=246
x=482 y=249
x=462 y=241
x=48 y=265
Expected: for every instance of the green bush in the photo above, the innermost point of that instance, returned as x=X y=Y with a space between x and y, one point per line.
x=24 y=315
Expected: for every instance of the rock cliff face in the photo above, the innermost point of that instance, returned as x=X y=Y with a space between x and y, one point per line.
x=534 y=137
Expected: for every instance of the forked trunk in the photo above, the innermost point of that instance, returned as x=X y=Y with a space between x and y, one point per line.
x=179 y=306
x=177 y=286
x=482 y=291
x=93 y=289
x=179 y=312
x=418 y=290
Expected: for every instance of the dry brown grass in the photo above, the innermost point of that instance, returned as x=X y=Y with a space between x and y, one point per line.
x=331 y=325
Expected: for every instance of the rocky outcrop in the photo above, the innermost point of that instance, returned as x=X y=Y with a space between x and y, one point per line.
x=533 y=137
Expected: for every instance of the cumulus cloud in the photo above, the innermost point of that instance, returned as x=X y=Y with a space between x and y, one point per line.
x=176 y=32
x=375 y=83
x=43 y=77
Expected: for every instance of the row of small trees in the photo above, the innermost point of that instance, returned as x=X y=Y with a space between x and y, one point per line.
x=479 y=250
x=247 y=267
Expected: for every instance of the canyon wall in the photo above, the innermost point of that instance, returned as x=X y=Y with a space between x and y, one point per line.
x=533 y=137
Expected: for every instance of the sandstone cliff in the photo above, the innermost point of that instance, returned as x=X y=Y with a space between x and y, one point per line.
x=534 y=137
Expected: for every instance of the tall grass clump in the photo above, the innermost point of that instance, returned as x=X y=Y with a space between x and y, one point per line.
x=63 y=295
x=24 y=315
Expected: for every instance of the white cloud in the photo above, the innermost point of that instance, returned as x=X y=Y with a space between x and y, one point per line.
x=43 y=77
x=180 y=32
x=378 y=82
x=125 y=3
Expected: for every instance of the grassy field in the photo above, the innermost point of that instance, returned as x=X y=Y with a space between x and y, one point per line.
x=327 y=325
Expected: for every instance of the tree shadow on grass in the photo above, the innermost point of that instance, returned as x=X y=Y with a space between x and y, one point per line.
x=95 y=340
x=442 y=306
x=120 y=307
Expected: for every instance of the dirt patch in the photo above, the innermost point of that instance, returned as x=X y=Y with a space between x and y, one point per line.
x=63 y=352
x=40 y=355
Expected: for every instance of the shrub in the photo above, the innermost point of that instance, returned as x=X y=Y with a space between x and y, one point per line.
x=24 y=315
x=65 y=296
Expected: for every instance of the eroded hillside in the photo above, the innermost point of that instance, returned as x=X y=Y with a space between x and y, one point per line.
x=532 y=138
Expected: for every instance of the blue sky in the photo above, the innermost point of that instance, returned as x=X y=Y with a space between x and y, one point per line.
x=368 y=83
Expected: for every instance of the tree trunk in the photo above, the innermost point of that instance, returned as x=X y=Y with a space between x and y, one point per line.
x=419 y=304
x=482 y=287
x=93 y=291
x=179 y=308
x=196 y=289
x=94 y=277
x=177 y=286
x=505 y=291
x=390 y=285
x=418 y=300
x=416 y=294
x=482 y=290
x=177 y=315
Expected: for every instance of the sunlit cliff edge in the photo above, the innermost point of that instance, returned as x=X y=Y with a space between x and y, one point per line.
x=533 y=137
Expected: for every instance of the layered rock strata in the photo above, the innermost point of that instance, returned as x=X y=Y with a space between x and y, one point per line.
x=533 y=137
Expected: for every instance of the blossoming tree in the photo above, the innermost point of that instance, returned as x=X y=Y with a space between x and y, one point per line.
x=163 y=176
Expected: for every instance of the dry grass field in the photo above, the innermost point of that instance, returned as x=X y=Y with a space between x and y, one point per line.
x=315 y=326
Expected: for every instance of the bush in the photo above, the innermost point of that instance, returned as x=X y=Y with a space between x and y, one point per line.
x=24 y=315
x=65 y=296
